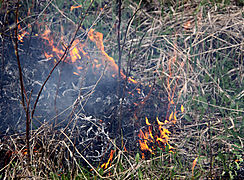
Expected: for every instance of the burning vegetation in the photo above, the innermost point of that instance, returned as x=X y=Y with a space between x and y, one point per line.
x=152 y=93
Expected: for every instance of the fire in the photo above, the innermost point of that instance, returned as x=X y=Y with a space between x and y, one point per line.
x=193 y=165
x=182 y=108
x=170 y=116
x=149 y=138
x=75 y=7
x=77 y=52
x=161 y=123
x=144 y=140
x=105 y=165
x=147 y=122
x=130 y=79
x=22 y=34
x=97 y=37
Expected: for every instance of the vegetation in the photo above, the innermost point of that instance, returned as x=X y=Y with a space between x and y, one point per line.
x=195 y=46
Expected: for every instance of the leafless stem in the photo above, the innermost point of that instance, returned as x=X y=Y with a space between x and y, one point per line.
x=120 y=49
x=23 y=95
x=119 y=61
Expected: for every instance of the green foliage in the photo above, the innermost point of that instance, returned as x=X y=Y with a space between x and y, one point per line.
x=137 y=157
x=53 y=176
x=140 y=175
x=230 y=167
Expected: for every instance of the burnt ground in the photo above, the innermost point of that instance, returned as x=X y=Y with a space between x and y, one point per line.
x=87 y=104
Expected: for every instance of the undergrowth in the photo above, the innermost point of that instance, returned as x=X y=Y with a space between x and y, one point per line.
x=205 y=38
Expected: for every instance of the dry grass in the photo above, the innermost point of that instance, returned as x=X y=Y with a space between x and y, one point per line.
x=198 y=47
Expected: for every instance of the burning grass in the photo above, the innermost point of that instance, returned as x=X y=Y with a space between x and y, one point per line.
x=188 y=55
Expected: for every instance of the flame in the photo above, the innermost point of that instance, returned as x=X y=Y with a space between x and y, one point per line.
x=150 y=132
x=147 y=122
x=76 y=52
x=21 y=36
x=75 y=73
x=175 y=119
x=159 y=122
x=147 y=139
x=75 y=7
x=182 y=108
x=130 y=79
x=46 y=34
x=97 y=37
x=144 y=141
x=193 y=165
x=23 y=32
x=105 y=165
x=138 y=90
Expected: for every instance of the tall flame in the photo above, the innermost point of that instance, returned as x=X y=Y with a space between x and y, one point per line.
x=97 y=37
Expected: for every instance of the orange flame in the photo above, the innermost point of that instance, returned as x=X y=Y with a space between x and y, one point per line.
x=147 y=139
x=150 y=132
x=75 y=7
x=193 y=165
x=130 y=79
x=144 y=141
x=97 y=37
x=170 y=116
x=76 y=52
x=159 y=122
x=105 y=165
x=21 y=35
x=75 y=55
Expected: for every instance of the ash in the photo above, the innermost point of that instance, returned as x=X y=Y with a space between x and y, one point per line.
x=87 y=106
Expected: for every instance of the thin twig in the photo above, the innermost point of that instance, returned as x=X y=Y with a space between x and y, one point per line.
x=23 y=95
x=119 y=67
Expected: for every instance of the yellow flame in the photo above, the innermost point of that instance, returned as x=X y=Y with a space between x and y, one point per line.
x=159 y=122
x=182 y=108
x=170 y=116
x=105 y=165
x=147 y=122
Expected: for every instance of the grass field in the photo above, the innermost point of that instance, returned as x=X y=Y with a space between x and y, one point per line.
x=194 y=48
